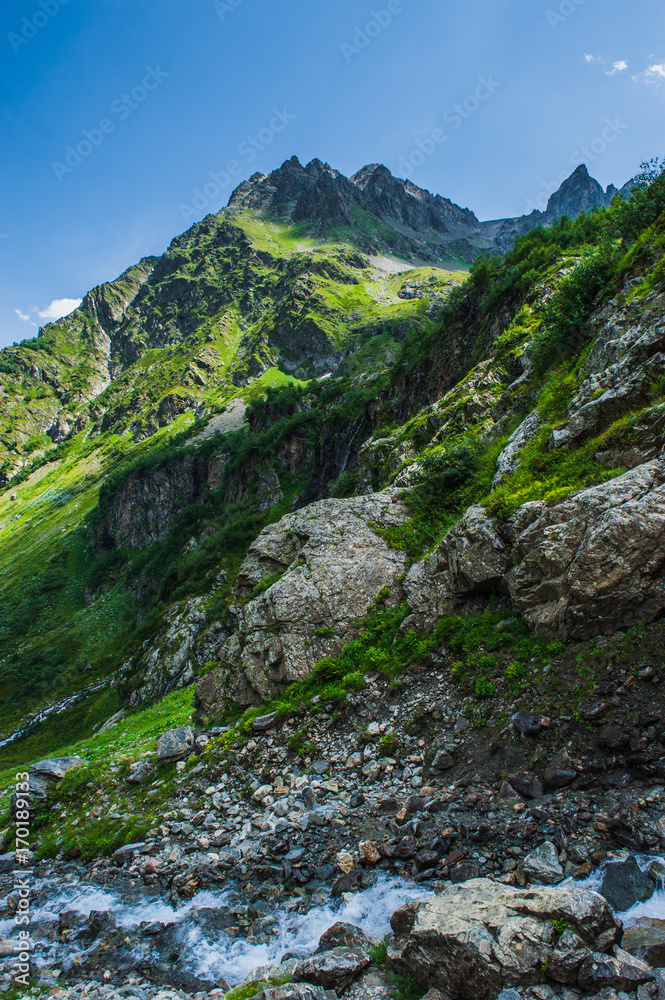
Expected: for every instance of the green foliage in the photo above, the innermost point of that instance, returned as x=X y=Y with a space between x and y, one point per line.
x=379 y=953
x=484 y=688
x=565 y=320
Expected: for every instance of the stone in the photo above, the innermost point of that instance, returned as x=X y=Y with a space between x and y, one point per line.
x=55 y=768
x=443 y=761
x=471 y=559
x=263 y=722
x=368 y=852
x=468 y=940
x=176 y=744
x=591 y=564
x=624 y=884
x=527 y=723
x=343 y=935
x=348 y=882
x=333 y=565
x=542 y=865
x=613 y=738
x=332 y=969
x=646 y=939
x=345 y=862
x=7 y=862
x=293 y=991
x=619 y=971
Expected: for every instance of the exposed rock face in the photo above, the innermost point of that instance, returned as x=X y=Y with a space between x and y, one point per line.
x=627 y=358
x=333 y=566
x=595 y=562
x=171 y=658
x=479 y=937
x=592 y=563
x=323 y=197
x=470 y=559
x=145 y=509
x=508 y=460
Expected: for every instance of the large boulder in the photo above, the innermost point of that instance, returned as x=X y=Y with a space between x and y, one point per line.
x=591 y=564
x=594 y=562
x=305 y=582
x=334 y=968
x=471 y=559
x=479 y=937
x=40 y=776
x=176 y=744
x=624 y=884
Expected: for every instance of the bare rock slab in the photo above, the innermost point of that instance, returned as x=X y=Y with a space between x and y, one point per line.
x=480 y=937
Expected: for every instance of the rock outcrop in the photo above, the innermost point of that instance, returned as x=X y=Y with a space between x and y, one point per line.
x=143 y=511
x=591 y=564
x=479 y=937
x=322 y=569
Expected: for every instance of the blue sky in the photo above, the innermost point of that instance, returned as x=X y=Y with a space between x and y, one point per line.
x=170 y=91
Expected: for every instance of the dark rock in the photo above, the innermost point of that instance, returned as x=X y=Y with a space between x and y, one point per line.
x=348 y=882
x=527 y=723
x=442 y=761
x=320 y=766
x=343 y=935
x=621 y=973
x=293 y=991
x=624 y=884
x=613 y=738
x=7 y=862
x=263 y=722
x=425 y=859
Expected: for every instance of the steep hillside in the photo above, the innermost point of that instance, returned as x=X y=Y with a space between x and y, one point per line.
x=265 y=366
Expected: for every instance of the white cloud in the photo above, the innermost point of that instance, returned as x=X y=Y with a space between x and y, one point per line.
x=617 y=67
x=59 y=308
x=589 y=58
x=657 y=70
x=23 y=316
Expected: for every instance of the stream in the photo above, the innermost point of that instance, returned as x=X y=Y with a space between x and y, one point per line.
x=215 y=933
x=202 y=934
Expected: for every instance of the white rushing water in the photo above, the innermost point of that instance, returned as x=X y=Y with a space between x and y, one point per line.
x=209 y=953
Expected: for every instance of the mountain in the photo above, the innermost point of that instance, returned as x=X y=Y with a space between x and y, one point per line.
x=385 y=214
x=294 y=496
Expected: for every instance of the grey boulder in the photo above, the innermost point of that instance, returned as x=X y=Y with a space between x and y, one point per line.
x=333 y=969
x=542 y=865
x=176 y=744
x=479 y=937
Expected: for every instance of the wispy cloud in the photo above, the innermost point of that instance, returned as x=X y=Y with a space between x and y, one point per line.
x=54 y=310
x=618 y=67
x=657 y=71
x=589 y=58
